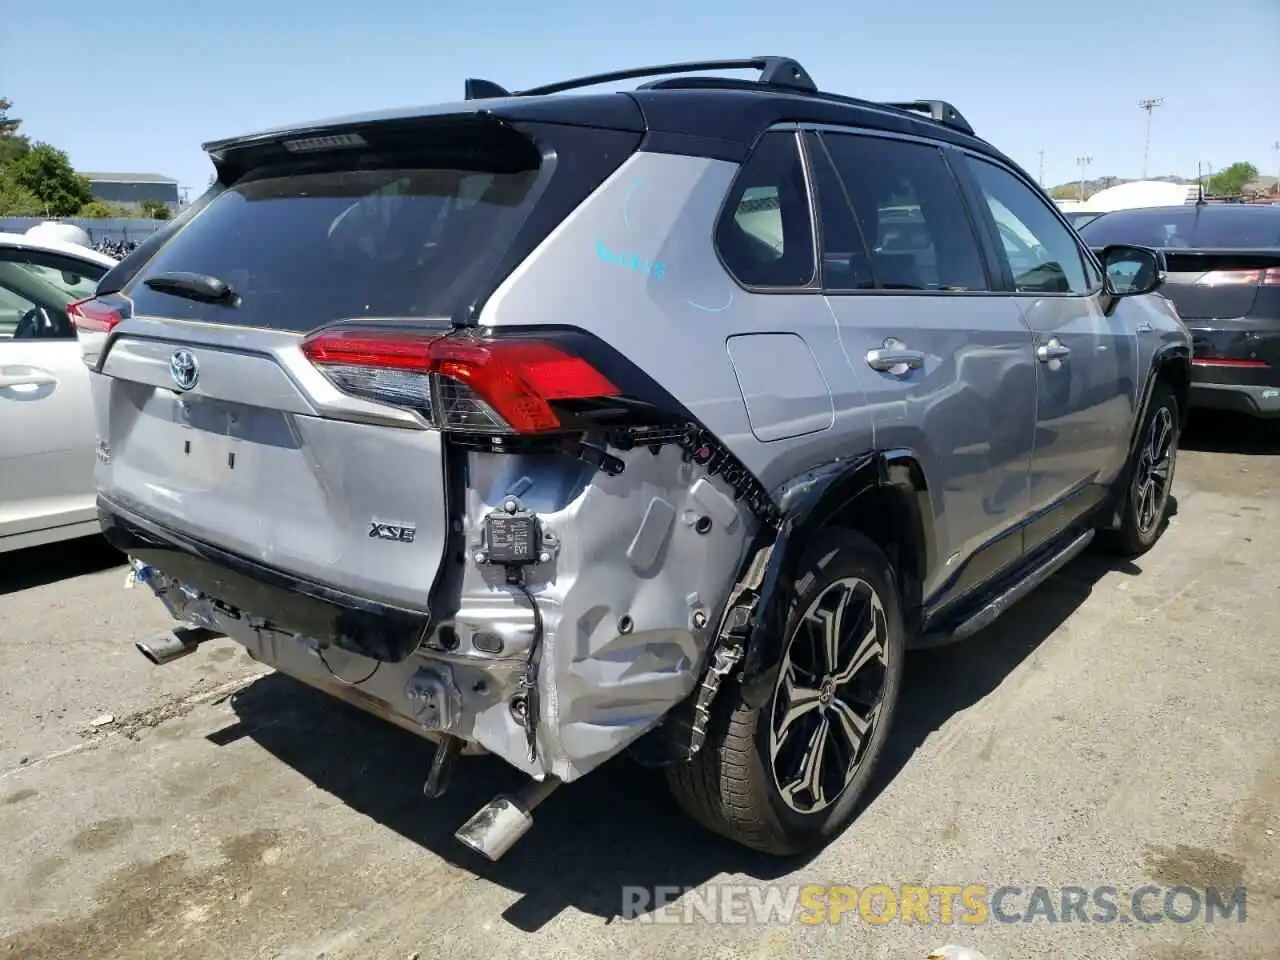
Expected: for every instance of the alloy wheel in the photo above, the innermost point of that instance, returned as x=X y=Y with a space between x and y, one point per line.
x=829 y=694
x=1154 y=471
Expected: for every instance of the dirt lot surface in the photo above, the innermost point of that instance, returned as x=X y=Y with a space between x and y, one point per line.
x=1117 y=728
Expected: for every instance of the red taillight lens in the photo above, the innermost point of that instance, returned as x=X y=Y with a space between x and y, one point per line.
x=94 y=319
x=94 y=316
x=1270 y=277
x=462 y=383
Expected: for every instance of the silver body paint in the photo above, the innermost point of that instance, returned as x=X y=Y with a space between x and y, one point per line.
x=780 y=380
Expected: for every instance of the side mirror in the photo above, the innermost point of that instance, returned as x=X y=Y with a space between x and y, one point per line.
x=1131 y=271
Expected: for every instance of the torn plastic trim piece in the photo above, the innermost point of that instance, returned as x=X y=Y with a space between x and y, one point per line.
x=700 y=446
x=730 y=645
x=683 y=731
x=807 y=505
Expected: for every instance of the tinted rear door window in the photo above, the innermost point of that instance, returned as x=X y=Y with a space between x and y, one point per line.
x=846 y=262
x=301 y=249
x=910 y=210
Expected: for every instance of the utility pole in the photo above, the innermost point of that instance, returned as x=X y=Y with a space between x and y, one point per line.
x=1082 y=163
x=1149 y=106
x=1042 y=165
x=1276 y=147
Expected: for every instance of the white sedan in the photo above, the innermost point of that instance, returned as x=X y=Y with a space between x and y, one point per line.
x=46 y=417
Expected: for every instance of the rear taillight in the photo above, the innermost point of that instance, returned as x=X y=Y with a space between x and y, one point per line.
x=94 y=319
x=459 y=382
x=1268 y=277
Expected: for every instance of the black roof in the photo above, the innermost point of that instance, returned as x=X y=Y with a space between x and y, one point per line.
x=707 y=116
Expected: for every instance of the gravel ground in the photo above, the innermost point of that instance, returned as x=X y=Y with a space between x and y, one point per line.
x=1117 y=728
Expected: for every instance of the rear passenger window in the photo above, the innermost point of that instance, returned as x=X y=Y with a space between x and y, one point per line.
x=1042 y=253
x=846 y=262
x=910 y=212
x=765 y=236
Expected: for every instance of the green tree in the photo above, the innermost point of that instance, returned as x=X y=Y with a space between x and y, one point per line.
x=155 y=209
x=8 y=125
x=99 y=209
x=1232 y=181
x=12 y=145
x=46 y=172
x=16 y=201
x=1067 y=191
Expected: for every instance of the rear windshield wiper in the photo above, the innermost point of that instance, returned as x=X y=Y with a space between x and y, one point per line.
x=193 y=286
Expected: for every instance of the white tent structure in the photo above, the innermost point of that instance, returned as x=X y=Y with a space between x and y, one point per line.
x=60 y=232
x=1141 y=193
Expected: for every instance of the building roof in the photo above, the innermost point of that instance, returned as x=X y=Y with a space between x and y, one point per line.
x=127 y=178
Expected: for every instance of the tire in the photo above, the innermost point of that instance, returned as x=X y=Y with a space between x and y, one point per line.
x=1146 y=498
x=730 y=786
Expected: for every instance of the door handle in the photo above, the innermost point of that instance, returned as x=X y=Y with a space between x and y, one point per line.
x=1053 y=350
x=893 y=357
x=25 y=377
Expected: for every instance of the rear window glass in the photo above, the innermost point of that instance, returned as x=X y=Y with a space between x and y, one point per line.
x=765 y=236
x=1222 y=226
x=304 y=249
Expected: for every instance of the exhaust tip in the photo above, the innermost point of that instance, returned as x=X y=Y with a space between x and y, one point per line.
x=179 y=643
x=499 y=824
x=495 y=828
x=146 y=652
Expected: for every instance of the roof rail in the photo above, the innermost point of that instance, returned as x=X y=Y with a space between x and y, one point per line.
x=776 y=71
x=938 y=110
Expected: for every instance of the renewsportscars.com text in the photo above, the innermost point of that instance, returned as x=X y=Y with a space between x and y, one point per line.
x=938 y=904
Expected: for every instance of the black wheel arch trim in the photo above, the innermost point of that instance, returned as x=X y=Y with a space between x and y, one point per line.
x=1168 y=355
x=808 y=503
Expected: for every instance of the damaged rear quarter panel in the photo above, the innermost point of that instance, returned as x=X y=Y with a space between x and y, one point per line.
x=621 y=599
x=635 y=265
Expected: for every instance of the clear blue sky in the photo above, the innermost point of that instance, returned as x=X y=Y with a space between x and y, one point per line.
x=137 y=85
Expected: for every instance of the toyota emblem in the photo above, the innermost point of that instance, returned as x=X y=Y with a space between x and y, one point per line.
x=184 y=369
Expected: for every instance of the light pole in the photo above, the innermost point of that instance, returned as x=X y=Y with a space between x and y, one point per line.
x=1276 y=147
x=1042 y=166
x=1082 y=163
x=1149 y=106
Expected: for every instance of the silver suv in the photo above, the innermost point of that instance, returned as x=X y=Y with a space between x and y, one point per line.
x=659 y=422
